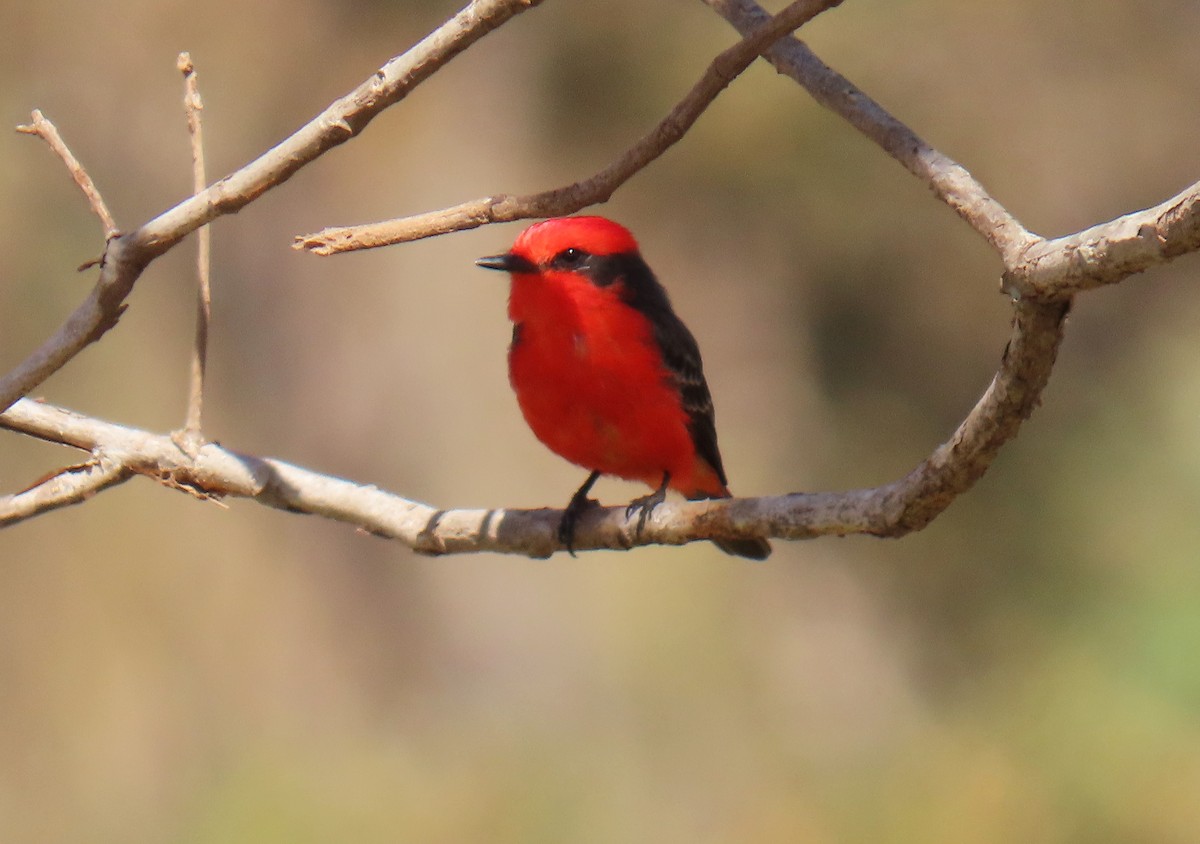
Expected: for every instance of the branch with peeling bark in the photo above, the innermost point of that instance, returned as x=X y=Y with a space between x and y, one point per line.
x=69 y=485
x=892 y=510
x=1110 y=252
x=1042 y=275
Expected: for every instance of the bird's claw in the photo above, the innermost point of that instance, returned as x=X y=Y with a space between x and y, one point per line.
x=570 y=517
x=645 y=505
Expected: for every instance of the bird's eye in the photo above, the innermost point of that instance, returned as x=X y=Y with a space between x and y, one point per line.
x=570 y=258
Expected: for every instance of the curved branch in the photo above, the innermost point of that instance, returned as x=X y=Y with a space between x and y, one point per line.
x=891 y=510
x=127 y=256
x=598 y=188
x=913 y=501
x=1034 y=266
x=1043 y=274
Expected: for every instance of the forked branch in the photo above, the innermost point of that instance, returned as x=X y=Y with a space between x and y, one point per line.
x=595 y=189
x=128 y=255
x=1043 y=275
x=70 y=485
x=891 y=510
x=48 y=132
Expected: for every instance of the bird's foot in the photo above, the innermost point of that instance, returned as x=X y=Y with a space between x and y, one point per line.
x=575 y=508
x=645 y=505
x=570 y=517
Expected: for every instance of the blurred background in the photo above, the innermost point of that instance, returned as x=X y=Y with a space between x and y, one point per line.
x=1023 y=670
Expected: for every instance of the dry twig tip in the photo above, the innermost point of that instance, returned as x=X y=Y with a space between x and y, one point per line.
x=47 y=131
x=190 y=438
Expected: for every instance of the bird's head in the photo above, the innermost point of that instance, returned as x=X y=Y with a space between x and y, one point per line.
x=582 y=245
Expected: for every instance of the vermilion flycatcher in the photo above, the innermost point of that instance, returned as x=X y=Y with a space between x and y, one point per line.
x=606 y=374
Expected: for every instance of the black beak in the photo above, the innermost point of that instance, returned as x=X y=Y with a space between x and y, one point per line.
x=507 y=262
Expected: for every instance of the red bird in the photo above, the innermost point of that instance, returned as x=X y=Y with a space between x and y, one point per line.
x=606 y=374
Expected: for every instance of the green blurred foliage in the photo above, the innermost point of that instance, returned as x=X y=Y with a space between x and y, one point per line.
x=1022 y=670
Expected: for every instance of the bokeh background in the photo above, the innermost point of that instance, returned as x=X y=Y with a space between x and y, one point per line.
x=1023 y=670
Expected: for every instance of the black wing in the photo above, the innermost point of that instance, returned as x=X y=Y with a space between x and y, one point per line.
x=682 y=357
x=679 y=349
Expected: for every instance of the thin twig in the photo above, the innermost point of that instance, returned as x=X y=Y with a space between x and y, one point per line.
x=127 y=256
x=598 y=188
x=71 y=485
x=47 y=131
x=341 y=121
x=191 y=436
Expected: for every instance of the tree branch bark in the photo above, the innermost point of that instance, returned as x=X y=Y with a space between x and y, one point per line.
x=1043 y=275
x=128 y=255
x=47 y=131
x=591 y=191
x=191 y=435
x=71 y=485
x=1109 y=252
x=887 y=511
x=949 y=180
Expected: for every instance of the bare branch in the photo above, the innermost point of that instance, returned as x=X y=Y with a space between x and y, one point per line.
x=340 y=122
x=1109 y=252
x=190 y=437
x=891 y=510
x=1043 y=275
x=72 y=485
x=1034 y=266
x=949 y=180
x=46 y=130
x=127 y=256
x=1015 y=392
x=596 y=189
x=216 y=471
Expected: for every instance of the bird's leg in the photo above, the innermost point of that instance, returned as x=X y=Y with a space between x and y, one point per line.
x=579 y=502
x=647 y=503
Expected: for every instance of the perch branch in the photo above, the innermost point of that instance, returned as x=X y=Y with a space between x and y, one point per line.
x=891 y=510
x=1043 y=275
x=128 y=255
x=726 y=67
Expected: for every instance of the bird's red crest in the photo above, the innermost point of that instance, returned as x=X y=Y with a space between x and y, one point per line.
x=595 y=235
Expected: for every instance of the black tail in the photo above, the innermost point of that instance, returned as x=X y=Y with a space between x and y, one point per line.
x=751 y=549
